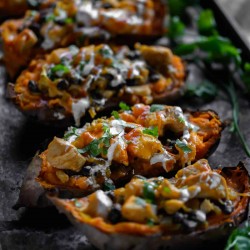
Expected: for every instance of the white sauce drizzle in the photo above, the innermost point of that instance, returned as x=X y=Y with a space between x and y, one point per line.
x=163 y=158
x=79 y=109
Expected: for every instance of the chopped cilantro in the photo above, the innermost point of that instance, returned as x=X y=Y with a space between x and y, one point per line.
x=70 y=132
x=156 y=107
x=98 y=146
x=106 y=51
x=205 y=90
x=183 y=146
x=176 y=28
x=124 y=106
x=151 y=131
x=150 y=222
x=58 y=71
x=167 y=190
x=78 y=204
x=115 y=114
x=206 y=23
x=108 y=185
x=93 y=148
x=239 y=239
x=181 y=119
x=50 y=17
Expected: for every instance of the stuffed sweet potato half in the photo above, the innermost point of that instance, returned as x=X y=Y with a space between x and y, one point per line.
x=78 y=22
x=14 y=8
x=71 y=82
x=148 y=141
x=198 y=204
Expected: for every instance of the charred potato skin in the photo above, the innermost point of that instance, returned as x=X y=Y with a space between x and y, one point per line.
x=110 y=239
x=21 y=46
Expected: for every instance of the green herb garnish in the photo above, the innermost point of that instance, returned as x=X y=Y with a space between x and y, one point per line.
x=115 y=114
x=72 y=131
x=183 y=146
x=156 y=107
x=219 y=49
x=150 y=222
x=151 y=131
x=205 y=90
x=58 y=70
x=176 y=28
x=206 y=23
x=235 y=125
x=167 y=190
x=123 y=106
x=98 y=146
x=108 y=185
x=239 y=239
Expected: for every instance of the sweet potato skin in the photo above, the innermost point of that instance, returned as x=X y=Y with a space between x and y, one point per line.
x=127 y=235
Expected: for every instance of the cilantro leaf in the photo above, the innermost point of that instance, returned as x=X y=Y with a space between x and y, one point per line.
x=124 y=106
x=239 y=239
x=58 y=70
x=151 y=131
x=183 y=146
x=219 y=49
x=205 y=90
x=167 y=190
x=176 y=28
x=70 y=132
x=156 y=107
x=206 y=23
x=115 y=114
x=108 y=185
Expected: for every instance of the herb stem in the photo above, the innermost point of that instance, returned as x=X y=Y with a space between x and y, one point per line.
x=235 y=106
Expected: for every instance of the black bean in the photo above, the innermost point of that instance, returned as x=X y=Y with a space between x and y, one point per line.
x=227 y=207
x=35 y=27
x=178 y=217
x=131 y=82
x=63 y=84
x=74 y=80
x=154 y=77
x=107 y=5
x=32 y=85
x=109 y=77
x=115 y=215
x=111 y=194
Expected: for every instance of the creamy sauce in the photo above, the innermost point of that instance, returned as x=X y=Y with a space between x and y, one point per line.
x=79 y=109
x=161 y=158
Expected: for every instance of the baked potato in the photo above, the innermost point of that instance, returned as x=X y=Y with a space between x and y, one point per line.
x=14 y=8
x=78 y=22
x=69 y=82
x=197 y=205
x=108 y=152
